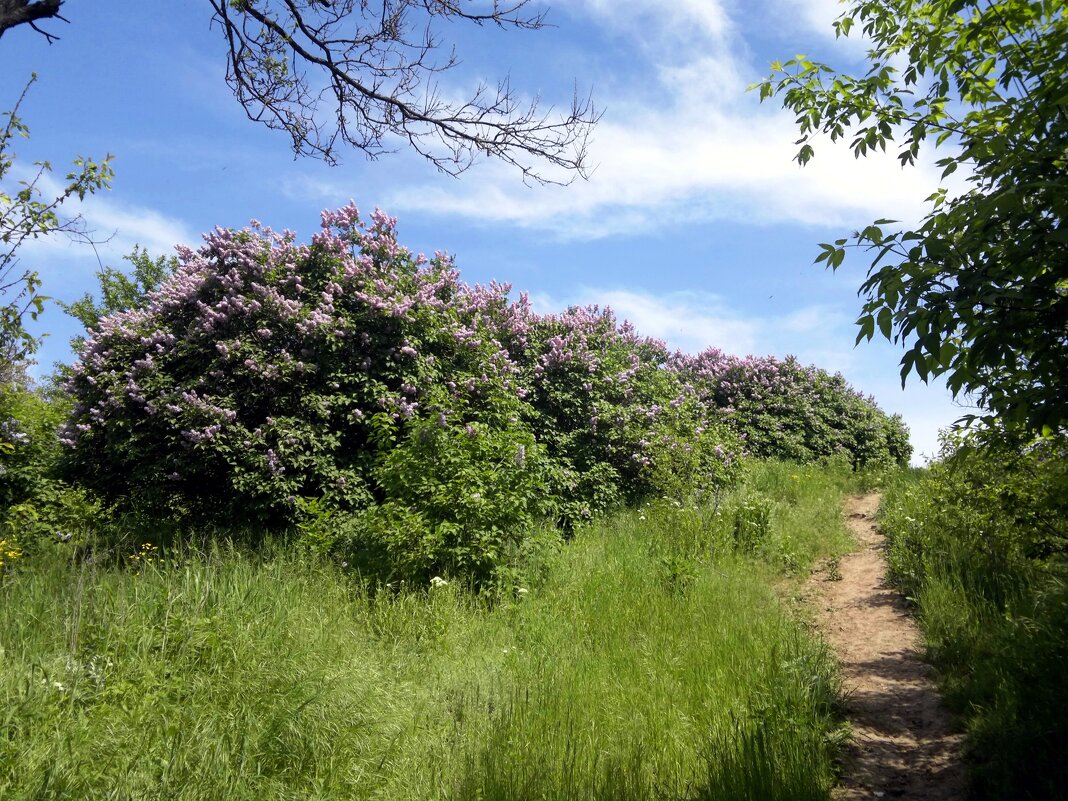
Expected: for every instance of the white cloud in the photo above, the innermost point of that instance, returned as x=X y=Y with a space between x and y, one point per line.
x=689 y=321
x=158 y=233
x=818 y=15
x=114 y=226
x=695 y=164
x=691 y=146
x=652 y=21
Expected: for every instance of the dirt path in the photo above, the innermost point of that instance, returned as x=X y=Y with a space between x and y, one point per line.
x=902 y=745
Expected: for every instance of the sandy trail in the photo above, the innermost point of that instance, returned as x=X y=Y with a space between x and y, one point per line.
x=902 y=745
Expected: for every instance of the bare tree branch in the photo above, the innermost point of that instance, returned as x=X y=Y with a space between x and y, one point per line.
x=19 y=12
x=363 y=73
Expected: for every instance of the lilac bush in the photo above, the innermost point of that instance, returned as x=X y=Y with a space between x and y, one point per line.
x=265 y=371
x=786 y=410
x=619 y=424
x=352 y=389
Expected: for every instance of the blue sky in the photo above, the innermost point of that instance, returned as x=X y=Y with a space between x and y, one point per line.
x=696 y=224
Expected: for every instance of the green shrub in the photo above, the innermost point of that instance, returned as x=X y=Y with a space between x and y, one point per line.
x=36 y=507
x=458 y=502
x=980 y=543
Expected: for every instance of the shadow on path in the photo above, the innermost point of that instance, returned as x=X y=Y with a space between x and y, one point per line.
x=903 y=745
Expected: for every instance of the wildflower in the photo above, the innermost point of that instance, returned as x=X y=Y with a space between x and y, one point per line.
x=437 y=582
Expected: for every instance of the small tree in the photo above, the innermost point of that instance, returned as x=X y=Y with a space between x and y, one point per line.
x=24 y=216
x=979 y=290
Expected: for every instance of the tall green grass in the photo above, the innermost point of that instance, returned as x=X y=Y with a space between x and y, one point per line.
x=652 y=660
x=980 y=544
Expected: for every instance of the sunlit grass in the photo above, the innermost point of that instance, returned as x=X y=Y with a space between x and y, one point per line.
x=993 y=608
x=654 y=661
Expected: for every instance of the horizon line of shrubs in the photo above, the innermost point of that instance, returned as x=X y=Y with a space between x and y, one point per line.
x=415 y=423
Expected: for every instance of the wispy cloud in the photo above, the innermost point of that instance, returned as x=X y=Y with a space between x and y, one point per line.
x=816 y=15
x=694 y=320
x=688 y=321
x=115 y=227
x=695 y=146
x=651 y=22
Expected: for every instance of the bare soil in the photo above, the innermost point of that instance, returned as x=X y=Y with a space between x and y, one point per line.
x=903 y=744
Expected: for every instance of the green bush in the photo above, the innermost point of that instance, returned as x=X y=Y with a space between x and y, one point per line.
x=980 y=543
x=458 y=502
x=36 y=507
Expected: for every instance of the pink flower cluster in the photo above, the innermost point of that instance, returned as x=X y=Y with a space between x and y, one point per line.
x=264 y=369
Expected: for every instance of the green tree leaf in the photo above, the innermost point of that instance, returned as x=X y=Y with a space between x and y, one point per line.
x=982 y=297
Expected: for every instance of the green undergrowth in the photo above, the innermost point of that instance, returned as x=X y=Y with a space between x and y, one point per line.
x=980 y=544
x=650 y=659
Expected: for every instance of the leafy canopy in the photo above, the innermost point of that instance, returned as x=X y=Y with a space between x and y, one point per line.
x=978 y=291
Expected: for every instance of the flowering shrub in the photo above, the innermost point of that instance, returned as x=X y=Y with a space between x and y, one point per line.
x=412 y=423
x=618 y=423
x=789 y=411
x=264 y=371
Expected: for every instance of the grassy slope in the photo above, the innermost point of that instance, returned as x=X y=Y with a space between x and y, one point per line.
x=653 y=661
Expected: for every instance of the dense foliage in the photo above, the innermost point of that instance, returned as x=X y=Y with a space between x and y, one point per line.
x=413 y=423
x=622 y=425
x=981 y=544
x=979 y=290
x=265 y=372
x=36 y=507
x=785 y=410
